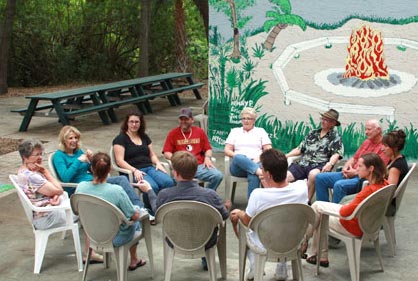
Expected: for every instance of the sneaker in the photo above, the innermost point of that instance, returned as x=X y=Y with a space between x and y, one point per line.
x=204 y=264
x=250 y=275
x=281 y=271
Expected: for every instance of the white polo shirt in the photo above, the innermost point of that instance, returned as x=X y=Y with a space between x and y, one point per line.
x=248 y=143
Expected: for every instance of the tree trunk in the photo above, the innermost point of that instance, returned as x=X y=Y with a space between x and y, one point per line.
x=144 y=38
x=236 y=52
x=268 y=44
x=203 y=7
x=5 y=35
x=180 y=37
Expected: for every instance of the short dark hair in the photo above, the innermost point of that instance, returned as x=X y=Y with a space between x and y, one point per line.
x=185 y=164
x=275 y=162
x=395 y=139
x=100 y=166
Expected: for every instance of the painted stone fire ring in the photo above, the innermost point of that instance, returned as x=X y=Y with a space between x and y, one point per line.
x=331 y=80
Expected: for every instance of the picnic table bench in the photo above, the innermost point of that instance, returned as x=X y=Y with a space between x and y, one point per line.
x=103 y=98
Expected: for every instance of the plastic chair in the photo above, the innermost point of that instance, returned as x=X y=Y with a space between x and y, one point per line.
x=281 y=230
x=55 y=174
x=189 y=225
x=231 y=181
x=389 y=221
x=41 y=236
x=101 y=221
x=370 y=214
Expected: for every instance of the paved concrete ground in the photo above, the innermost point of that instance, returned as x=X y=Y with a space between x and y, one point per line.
x=16 y=238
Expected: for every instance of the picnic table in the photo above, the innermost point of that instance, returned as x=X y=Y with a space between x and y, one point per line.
x=103 y=98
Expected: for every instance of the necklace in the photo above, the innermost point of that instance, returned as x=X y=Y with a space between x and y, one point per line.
x=189 y=147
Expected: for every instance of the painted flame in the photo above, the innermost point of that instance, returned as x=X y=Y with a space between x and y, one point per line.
x=365 y=55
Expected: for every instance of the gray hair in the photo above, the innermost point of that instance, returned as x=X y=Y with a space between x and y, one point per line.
x=376 y=123
x=27 y=146
x=250 y=111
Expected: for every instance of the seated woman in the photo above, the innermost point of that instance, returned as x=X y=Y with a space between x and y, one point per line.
x=133 y=151
x=73 y=164
x=371 y=168
x=39 y=185
x=114 y=194
x=244 y=145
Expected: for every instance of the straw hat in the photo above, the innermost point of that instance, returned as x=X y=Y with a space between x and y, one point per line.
x=332 y=114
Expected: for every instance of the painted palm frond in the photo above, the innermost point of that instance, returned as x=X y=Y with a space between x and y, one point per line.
x=283 y=19
x=254 y=91
x=284 y=5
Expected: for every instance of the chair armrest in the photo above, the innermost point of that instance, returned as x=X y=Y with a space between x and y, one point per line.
x=337 y=214
x=65 y=205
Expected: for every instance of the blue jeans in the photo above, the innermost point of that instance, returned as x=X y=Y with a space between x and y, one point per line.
x=213 y=176
x=243 y=167
x=157 y=179
x=125 y=184
x=127 y=236
x=334 y=180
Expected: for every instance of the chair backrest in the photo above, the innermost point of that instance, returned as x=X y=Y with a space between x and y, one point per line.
x=188 y=224
x=55 y=174
x=281 y=228
x=116 y=167
x=370 y=213
x=26 y=203
x=399 y=192
x=100 y=218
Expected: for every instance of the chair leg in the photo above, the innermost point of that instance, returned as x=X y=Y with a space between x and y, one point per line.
x=389 y=229
x=222 y=250
x=77 y=246
x=260 y=262
x=121 y=255
x=41 y=240
x=168 y=261
x=210 y=257
x=86 y=266
x=378 y=252
x=297 y=269
x=242 y=254
x=353 y=252
x=146 y=229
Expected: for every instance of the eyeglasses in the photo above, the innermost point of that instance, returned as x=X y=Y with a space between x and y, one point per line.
x=134 y=122
x=42 y=154
x=246 y=119
x=326 y=119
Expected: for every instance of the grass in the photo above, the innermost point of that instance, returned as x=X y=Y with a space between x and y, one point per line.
x=5 y=187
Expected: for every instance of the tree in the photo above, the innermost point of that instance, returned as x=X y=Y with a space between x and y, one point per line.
x=144 y=38
x=180 y=36
x=203 y=7
x=281 y=17
x=5 y=35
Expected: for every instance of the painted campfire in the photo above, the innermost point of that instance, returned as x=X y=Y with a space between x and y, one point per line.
x=365 y=59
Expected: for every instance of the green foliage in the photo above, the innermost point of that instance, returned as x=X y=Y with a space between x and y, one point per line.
x=283 y=19
x=283 y=5
x=63 y=41
x=258 y=51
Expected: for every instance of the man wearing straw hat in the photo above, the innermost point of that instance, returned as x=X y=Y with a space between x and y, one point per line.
x=320 y=151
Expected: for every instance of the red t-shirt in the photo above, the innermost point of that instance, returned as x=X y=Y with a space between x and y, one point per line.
x=367 y=147
x=352 y=226
x=195 y=142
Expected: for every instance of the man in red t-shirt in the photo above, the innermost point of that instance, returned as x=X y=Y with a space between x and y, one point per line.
x=346 y=182
x=193 y=139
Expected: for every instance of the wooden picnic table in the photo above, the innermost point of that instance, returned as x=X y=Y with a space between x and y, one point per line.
x=103 y=98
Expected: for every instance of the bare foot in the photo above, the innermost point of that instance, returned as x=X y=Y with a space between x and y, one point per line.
x=143 y=185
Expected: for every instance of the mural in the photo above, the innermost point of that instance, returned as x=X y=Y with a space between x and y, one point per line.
x=292 y=60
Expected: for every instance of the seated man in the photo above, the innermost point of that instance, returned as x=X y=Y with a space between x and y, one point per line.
x=184 y=169
x=277 y=190
x=320 y=150
x=347 y=181
x=187 y=137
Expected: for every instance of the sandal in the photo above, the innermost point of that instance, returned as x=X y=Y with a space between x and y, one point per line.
x=313 y=260
x=140 y=263
x=303 y=249
x=94 y=259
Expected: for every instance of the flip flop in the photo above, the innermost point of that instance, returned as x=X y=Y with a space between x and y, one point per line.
x=313 y=260
x=140 y=263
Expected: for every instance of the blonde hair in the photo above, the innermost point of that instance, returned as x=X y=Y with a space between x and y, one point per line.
x=250 y=111
x=64 y=133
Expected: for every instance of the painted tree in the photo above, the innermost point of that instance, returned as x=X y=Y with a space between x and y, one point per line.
x=233 y=9
x=5 y=35
x=280 y=18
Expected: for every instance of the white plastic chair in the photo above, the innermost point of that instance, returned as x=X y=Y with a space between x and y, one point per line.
x=389 y=221
x=231 y=181
x=55 y=174
x=370 y=214
x=281 y=230
x=41 y=236
x=101 y=221
x=189 y=225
